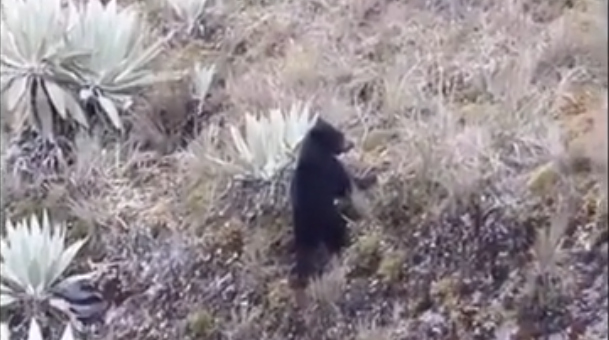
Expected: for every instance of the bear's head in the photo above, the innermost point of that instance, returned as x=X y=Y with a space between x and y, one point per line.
x=329 y=138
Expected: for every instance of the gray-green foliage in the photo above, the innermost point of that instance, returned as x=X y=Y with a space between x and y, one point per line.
x=33 y=57
x=268 y=142
x=34 y=332
x=121 y=62
x=34 y=257
x=188 y=11
x=50 y=51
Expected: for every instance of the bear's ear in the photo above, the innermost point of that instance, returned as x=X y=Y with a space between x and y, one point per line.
x=320 y=125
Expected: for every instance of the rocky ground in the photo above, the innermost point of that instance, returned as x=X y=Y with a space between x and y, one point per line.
x=486 y=126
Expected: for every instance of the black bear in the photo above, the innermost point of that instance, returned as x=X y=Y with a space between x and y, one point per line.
x=319 y=181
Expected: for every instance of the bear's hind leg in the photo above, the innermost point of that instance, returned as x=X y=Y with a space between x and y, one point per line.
x=304 y=267
x=306 y=244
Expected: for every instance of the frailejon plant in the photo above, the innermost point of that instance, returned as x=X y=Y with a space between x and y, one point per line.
x=297 y=123
x=201 y=80
x=34 y=257
x=34 y=332
x=49 y=49
x=120 y=62
x=267 y=143
x=35 y=64
x=189 y=11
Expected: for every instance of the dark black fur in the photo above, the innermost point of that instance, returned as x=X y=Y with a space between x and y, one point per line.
x=320 y=179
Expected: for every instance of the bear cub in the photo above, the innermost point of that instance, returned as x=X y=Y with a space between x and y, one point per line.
x=319 y=181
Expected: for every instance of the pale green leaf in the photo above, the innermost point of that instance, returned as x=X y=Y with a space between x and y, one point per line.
x=65 y=259
x=4 y=288
x=108 y=106
x=34 y=332
x=61 y=305
x=44 y=112
x=76 y=110
x=35 y=276
x=240 y=144
x=140 y=79
x=73 y=279
x=4 y=332
x=14 y=270
x=68 y=333
x=142 y=60
x=16 y=92
x=201 y=80
x=57 y=96
x=252 y=128
x=6 y=299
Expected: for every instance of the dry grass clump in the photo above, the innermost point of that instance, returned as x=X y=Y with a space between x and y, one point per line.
x=484 y=123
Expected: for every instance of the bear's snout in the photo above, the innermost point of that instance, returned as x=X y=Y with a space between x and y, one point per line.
x=348 y=145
